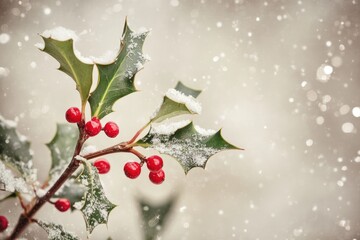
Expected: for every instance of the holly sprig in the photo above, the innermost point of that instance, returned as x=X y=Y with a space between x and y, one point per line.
x=74 y=177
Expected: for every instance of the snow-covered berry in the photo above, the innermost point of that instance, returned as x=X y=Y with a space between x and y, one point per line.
x=132 y=169
x=157 y=177
x=111 y=129
x=62 y=204
x=102 y=165
x=73 y=115
x=4 y=223
x=154 y=163
x=93 y=127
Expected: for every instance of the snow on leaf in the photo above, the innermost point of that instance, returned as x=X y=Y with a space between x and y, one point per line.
x=95 y=206
x=189 y=146
x=15 y=152
x=56 y=231
x=116 y=79
x=178 y=101
x=63 y=51
x=12 y=183
x=62 y=148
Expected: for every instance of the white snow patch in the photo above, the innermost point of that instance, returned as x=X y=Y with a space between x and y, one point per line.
x=88 y=149
x=60 y=33
x=190 y=102
x=87 y=60
x=169 y=128
x=40 y=46
x=10 y=182
x=204 y=132
x=8 y=123
x=106 y=58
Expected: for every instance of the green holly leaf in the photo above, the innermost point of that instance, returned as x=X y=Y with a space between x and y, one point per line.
x=94 y=205
x=154 y=217
x=80 y=72
x=56 y=231
x=116 y=79
x=190 y=145
x=62 y=147
x=15 y=154
x=178 y=101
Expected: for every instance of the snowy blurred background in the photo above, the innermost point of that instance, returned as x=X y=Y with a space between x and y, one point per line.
x=280 y=77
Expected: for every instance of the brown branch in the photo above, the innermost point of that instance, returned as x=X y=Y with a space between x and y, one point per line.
x=26 y=218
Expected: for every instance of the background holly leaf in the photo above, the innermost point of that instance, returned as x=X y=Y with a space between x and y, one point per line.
x=178 y=101
x=56 y=231
x=154 y=217
x=81 y=73
x=190 y=145
x=95 y=206
x=116 y=79
x=187 y=90
x=62 y=148
x=16 y=155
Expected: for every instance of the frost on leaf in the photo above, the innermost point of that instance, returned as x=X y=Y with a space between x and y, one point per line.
x=94 y=205
x=190 y=145
x=178 y=101
x=56 y=231
x=12 y=183
x=116 y=79
x=15 y=153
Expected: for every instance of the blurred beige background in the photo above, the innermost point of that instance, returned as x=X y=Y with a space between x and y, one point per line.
x=280 y=77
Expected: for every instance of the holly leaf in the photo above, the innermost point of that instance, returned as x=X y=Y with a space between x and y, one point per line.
x=62 y=147
x=190 y=145
x=116 y=79
x=154 y=217
x=56 y=231
x=178 y=101
x=187 y=90
x=15 y=152
x=95 y=206
x=80 y=72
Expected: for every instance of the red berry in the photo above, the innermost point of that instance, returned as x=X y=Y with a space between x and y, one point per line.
x=132 y=169
x=4 y=223
x=93 y=127
x=102 y=165
x=73 y=115
x=157 y=177
x=62 y=204
x=154 y=163
x=111 y=129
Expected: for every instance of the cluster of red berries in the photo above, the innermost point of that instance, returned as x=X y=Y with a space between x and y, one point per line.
x=4 y=223
x=154 y=164
x=133 y=169
x=92 y=127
